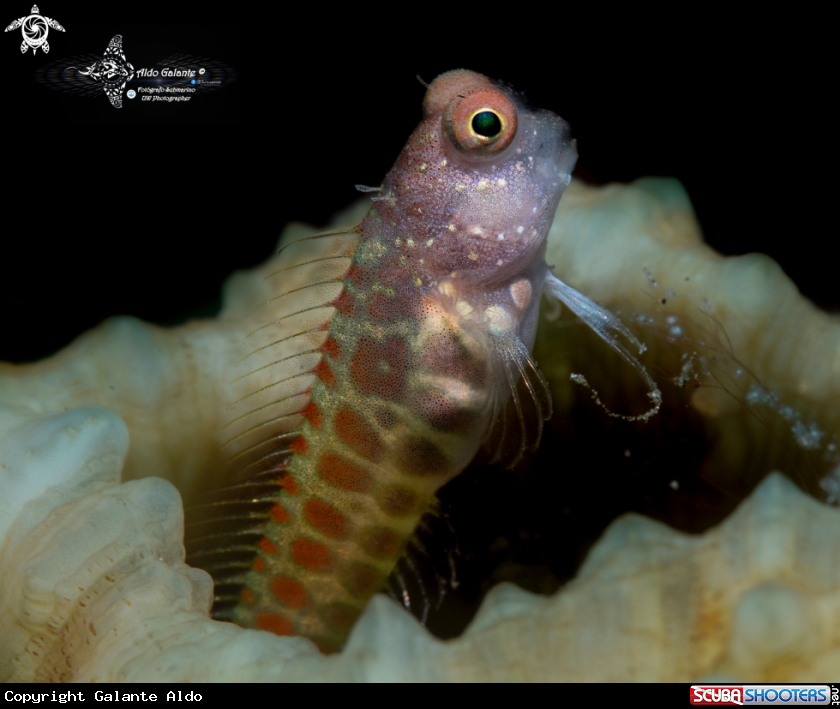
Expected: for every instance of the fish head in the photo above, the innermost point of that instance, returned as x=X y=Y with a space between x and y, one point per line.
x=479 y=179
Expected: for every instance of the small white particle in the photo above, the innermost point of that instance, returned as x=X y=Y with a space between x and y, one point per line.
x=520 y=229
x=674 y=485
x=627 y=453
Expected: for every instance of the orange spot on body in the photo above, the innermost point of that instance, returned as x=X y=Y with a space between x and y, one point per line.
x=288 y=483
x=290 y=592
x=345 y=304
x=332 y=348
x=276 y=624
x=361 y=579
x=267 y=546
x=324 y=373
x=381 y=542
x=398 y=501
x=340 y=615
x=299 y=446
x=384 y=308
x=379 y=368
x=259 y=565
x=358 y=434
x=279 y=513
x=247 y=596
x=310 y=554
x=418 y=456
x=313 y=414
x=325 y=518
x=343 y=474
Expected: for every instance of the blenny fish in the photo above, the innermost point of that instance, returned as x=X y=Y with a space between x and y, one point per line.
x=384 y=359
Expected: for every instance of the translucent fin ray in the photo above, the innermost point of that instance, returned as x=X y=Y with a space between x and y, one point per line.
x=604 y=323
x=516 y=365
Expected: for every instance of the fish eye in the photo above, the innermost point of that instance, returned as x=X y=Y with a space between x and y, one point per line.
x=486 y=124
x=481 y=123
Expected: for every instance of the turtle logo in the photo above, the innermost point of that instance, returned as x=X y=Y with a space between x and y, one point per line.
x=112 y=71
x=35 y=28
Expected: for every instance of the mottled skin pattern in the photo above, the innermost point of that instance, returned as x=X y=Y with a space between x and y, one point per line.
x=409 y=359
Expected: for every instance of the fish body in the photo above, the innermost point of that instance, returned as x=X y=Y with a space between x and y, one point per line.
x=377 y=368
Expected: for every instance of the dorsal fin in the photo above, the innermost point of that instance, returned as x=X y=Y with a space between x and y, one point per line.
x=272 y=383
x=270 y=390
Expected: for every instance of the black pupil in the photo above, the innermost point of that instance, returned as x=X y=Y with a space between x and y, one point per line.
x=487 y=123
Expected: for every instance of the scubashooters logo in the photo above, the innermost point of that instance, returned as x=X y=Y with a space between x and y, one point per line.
x=35 y=28
x=113 y=71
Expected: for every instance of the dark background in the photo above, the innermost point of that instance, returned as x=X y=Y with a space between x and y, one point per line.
x=147 y=220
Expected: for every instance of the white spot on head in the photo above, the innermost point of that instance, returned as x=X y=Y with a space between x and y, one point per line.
x=499 y=262
x=409 y=242
x=463 y=307
x=459 y=187
x=443 y=162
x=423 y=167
x=501 y=182
x=477 y=231
x=472 y=256
x=430 y=242
x=498 y=318
x=534 y=209
x=482 y=185
x=520 y=292
x=520 y=229
x=451 y=227
x=501 y=237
